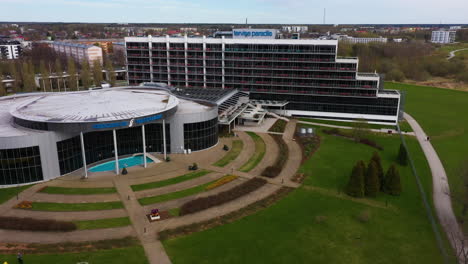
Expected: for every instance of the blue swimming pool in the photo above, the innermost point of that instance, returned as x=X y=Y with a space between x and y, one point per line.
x=126 y=162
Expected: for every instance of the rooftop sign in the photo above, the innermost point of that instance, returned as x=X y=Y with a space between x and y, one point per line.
x=248 y=33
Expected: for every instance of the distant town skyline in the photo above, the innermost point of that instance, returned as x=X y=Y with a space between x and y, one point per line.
x=257 y=11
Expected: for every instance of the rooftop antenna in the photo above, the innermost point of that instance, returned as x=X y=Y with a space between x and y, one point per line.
x=324 y=15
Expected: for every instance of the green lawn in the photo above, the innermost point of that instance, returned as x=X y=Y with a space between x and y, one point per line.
x=77 y=191
x=311 y=226
x=102 y=223
x=8 y=193
x=232 y=154
x=174 y=195
x=134 y=254
x=65 y=207
x=175 y=180
x=174 y=211
x=260 y=149
x=443 y=114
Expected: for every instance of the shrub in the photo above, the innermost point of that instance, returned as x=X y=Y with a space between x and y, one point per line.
x=168 y=159
x=320 y=218
x=283 y=153
x=372 y=180
x=355 y=187
x=402 y=155
x=395 y=75
x=392 y=181
x=278 y=126
x=225 y=148
x=380 y=172
x=364 y=216
x=194 y=166
x=203 y=203
x=30 y=224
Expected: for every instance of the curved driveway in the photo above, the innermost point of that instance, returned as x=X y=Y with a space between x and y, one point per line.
x=441 y=190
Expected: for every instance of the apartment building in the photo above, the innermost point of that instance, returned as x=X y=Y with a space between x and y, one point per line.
x=443 y=36
x=10 y=49
x=79 y=52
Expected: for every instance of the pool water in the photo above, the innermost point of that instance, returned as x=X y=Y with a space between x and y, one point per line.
x=125 y=162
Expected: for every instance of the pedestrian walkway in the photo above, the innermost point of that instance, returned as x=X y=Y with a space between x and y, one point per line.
x=441 y=189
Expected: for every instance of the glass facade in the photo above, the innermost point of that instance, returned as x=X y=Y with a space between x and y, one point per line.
x=99 y=145
x=154 y=138
x=201 y=135
x=352 y=105
x=69 y=155
x=21 y=165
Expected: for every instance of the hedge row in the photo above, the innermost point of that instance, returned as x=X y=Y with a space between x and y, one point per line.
x=30 y=224
x=203 y=203
x=283 y=153
x=365 y=141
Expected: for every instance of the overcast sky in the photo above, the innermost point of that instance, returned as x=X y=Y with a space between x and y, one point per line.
x=235 y=11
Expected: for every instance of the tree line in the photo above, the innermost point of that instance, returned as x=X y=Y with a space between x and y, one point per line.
x=60 y=74
x=417 y=61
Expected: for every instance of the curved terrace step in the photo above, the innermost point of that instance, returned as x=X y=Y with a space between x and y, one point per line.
x=179 y=202
x=16 y=236
x=67 y=216
x=179 y=186
x=220 y=210
x=247 y=151
x=271 y=153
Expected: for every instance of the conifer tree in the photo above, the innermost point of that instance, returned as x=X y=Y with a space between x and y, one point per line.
x=372 y=180
x=72 y=80
x=392 y=181
x=402 y=155
x=110 y=72
x=97 y=73
x=2 y=87
x=44 y=83
x=58 y=72
x=355 y=187
x=85 y=75
x=380 y=172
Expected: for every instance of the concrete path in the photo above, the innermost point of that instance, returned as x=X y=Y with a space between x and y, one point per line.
x=295 y=154
x=452 y=53
x=147 y=235
x=382 y=130
x=441 y=189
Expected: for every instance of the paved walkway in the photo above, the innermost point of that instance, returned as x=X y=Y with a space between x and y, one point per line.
x=452 y=53
x=441 y=190
x=382 y=130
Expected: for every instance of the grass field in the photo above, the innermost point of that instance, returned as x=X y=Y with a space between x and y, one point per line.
x=102 y=223
x=175 y=180
x=317 y=223
x=77 y=191
x=260 y=149
x=232 y=154
x=174 y=195
x=8 y=193
x=134 y=254
x=65 y=207
x=442 y=113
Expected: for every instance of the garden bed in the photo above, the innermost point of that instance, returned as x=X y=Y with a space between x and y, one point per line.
x=227 y=218
x=340 y=133
x=281 y=159
x=203 y=203
x=279 y=126
x=30 y=224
